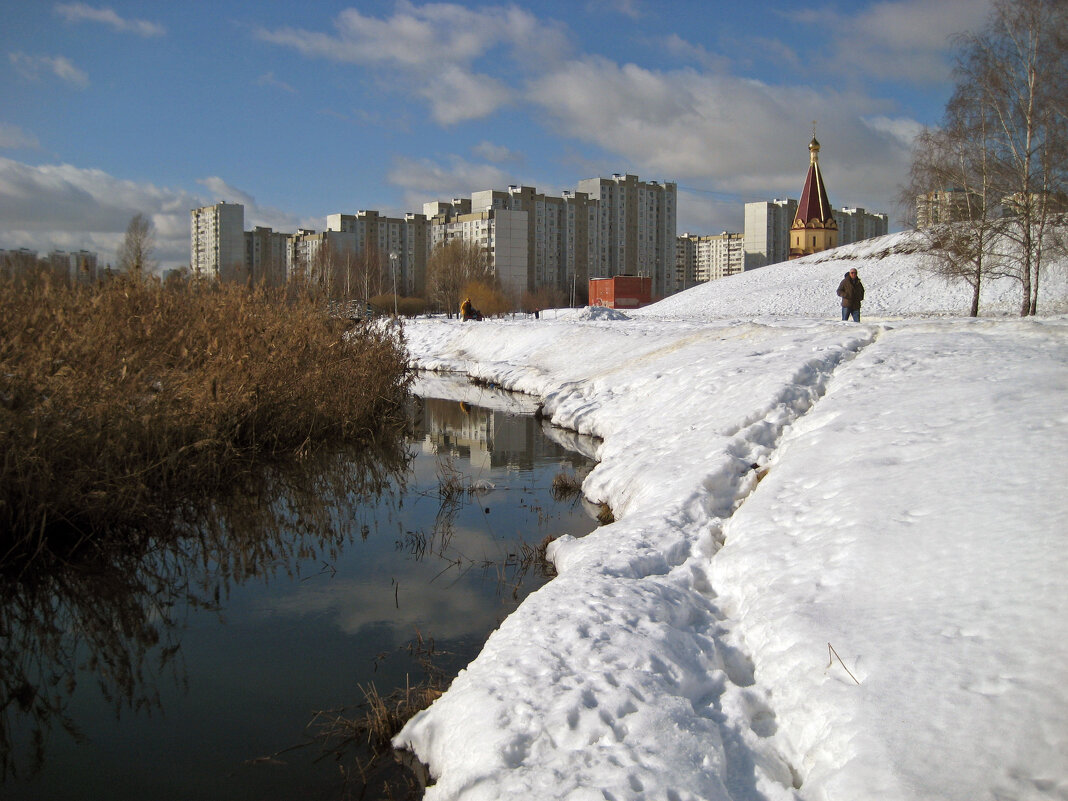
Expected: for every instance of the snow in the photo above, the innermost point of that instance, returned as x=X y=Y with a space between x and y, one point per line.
x=876 y=610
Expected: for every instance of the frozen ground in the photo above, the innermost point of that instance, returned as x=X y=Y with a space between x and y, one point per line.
x=906 y=509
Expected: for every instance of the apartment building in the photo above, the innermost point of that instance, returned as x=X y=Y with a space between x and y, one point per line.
x=622 y=226
x=945 y=206
x=636 y=229
x=708 y=258
x=501 y=234
x=217 y=242
x=265 y=256
x=324 y=258
x=767 y=232
x=16 y=262
x=400 y=245
x=79 y=267
x=559 y=231
x=856 y=224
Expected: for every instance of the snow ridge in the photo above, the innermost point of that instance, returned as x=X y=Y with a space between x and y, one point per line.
x=907 y=507
x=654 y=558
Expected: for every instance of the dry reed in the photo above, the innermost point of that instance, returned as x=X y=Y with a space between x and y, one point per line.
x=119 y=401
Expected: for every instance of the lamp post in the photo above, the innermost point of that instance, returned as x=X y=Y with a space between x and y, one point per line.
x=393 y=266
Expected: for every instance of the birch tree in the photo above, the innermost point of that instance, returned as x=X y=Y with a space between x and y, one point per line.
x=1015 y=73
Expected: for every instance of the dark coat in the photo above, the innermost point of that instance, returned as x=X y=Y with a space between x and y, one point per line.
x=851 y=291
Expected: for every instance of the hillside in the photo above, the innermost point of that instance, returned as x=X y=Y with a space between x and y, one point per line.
x=895 y=280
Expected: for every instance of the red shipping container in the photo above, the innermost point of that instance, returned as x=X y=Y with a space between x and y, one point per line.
x=621 y=291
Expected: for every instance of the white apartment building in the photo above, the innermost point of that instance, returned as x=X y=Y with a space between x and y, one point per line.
x=708 y=258
x=217 y=242
x=265 y=256
x=324 y=258
x=559 y=231
x=857 y=224
x=501 y=234
x=947 y=205
x=767 y=231
x=400 y=245
x=79 y=267
x=636 y=229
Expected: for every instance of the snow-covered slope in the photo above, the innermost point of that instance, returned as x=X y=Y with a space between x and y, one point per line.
x=838 y=569
x=895 y=282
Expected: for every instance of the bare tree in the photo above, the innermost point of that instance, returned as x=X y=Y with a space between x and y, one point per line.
x=135 y=252
x=951 y=178
x=1013 y=73
x=452 y=265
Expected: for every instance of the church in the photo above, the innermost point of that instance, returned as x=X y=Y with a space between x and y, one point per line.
x=814 y=227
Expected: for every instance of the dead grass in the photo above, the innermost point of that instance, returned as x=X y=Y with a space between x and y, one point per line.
x=120 y=400
x=565 y=486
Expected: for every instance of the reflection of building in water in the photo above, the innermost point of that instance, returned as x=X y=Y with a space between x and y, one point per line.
x=486 y=438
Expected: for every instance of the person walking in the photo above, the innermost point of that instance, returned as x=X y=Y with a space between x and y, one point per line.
x=851 y=291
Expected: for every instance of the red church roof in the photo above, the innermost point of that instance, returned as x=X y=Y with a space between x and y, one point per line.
x=814 y=205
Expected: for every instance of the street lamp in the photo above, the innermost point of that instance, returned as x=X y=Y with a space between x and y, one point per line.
x=393 y=266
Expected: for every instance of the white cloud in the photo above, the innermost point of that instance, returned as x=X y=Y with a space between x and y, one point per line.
x=733 y=135
x=14 y=138
x=62 y=206
x=496 y=153
x=687 y=51
x=903 y=129
x=456 y=95
x=434 y=50
x=899 y=39
x=80 y=12
x=31 y=68
x=628 y=8
x=423 y=180
x=268 y=79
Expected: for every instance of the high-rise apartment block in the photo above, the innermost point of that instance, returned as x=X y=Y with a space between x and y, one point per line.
x=856 y=224
x=767 y=231
x=500 y=234
x=75 y=268
x=607 y=227
x=945 y=206
x=396 y=246
x=636 y=224
x=708 y=258
x=561 y=233
x=266 y=256
x=217 y=242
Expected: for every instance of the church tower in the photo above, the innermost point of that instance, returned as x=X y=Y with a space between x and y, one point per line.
x=814 y=227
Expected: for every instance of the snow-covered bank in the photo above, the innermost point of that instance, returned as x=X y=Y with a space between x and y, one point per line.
x=907 y=508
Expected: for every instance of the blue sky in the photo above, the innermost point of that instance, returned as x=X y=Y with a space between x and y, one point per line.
x=303 y=110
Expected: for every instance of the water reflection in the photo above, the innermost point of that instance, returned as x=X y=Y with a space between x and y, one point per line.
x=213 y=642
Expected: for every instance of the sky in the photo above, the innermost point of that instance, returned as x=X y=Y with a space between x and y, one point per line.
x=108 y=110
x=837 y=569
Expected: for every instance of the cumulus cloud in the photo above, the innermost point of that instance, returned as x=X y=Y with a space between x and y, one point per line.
x=900 y=39
x=496 y=153
x=687 y=51
x=72 y=208
x=424 y=180
x=268 y=79
x=33 y=67
x=628 y=8
x=735 y=135
x=14 y=138
x=81 y=12
x=435 y=50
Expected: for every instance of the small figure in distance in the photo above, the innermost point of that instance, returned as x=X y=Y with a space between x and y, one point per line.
x=851 y=291
x=469 y=312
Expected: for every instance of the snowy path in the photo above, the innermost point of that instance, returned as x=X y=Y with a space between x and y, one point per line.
x=664 y=664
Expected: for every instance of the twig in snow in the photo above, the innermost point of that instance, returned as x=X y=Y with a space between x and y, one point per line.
x=830 y=661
